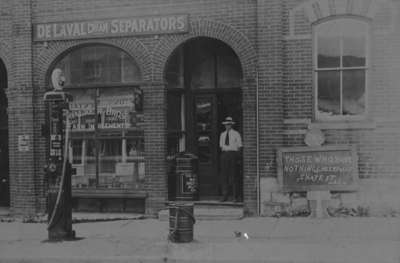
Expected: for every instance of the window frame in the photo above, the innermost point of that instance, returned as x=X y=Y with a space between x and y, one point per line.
x=341 y=69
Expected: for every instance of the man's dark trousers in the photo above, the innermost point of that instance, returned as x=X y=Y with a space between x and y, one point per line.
x=229 y=173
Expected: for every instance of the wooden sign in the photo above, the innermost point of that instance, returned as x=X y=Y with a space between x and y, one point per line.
x=166 y=24
x=318 y=168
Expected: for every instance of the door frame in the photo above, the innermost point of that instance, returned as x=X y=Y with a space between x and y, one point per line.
x=191 y=128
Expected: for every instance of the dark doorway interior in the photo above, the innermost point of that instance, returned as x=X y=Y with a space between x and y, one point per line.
x=204 y=86
x=4 y=161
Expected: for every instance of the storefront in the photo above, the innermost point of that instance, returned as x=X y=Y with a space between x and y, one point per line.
x=148 y=85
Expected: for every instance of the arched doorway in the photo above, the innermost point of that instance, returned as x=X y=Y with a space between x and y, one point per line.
x=203 y=77
x=4 y=161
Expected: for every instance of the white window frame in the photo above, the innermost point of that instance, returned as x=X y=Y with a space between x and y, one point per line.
x=341 y=69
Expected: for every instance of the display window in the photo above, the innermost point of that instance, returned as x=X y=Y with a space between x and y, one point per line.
x=106 y=118
x=107 y=137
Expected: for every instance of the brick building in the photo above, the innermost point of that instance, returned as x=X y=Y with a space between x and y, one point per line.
x=151 y=78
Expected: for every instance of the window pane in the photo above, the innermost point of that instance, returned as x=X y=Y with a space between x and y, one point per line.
x=109 y=155
x=76 y=151
x=328 y=42
x=172 y=144
x=229 y=71
x=84 y=163
x=174 y=70
x=114 y=65
x=353 y=92
x=329 y=92
x=174 y=111
x=354 y=43
x=97 y=64
x=201 y=63
x=82 y=114
x=120 y=108
x=89 y=166
x=130 y=70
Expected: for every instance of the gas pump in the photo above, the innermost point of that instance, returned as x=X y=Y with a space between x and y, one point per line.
x=58 y=168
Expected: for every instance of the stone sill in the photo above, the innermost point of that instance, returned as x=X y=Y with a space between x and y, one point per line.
x=343 y=125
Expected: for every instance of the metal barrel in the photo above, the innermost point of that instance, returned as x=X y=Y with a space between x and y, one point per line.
x=181 y=222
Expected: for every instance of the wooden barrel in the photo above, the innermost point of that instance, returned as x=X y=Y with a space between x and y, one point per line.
x=181 y=220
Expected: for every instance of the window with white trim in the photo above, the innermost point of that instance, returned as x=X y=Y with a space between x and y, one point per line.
x=341 y=68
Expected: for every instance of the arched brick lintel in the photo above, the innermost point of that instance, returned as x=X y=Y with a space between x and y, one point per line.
x=50 y=55
x=5 y=56
x=205 y=28
x=320 y=9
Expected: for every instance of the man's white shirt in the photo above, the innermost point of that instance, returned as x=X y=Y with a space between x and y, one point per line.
x=235 y=141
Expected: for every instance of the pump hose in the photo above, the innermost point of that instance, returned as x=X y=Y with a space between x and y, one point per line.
x=63 y=175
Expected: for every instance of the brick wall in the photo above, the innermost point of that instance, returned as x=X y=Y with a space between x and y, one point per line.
x=230 y=21
x=272 y=39
x=377 y=136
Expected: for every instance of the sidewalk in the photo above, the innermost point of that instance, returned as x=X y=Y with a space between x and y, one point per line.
x=284 y=240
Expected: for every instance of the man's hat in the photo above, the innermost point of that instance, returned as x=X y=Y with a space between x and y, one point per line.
x=228 y=120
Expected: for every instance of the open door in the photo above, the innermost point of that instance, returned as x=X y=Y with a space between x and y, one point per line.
x=203 y=79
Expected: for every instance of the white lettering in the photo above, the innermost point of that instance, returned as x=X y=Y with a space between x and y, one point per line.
x=83 y=29
x=55 y=31
x=70 y=29
x=164 y=24
x=128 y=24
x=181 y=23
x=48 y=31
x=150 y=26
x=40 y=31
x=91 y=28
x=114 y=26
x=172 y=23
x=142 y=25
x=122 y=26
x=135 y=27
x=156 y=23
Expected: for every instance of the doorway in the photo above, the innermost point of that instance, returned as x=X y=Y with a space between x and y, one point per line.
x=4 y=159
x=204 y=86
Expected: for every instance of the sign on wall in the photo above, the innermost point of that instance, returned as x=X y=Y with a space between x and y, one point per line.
x=23 y=143
x=166 y=24
x=318 y=168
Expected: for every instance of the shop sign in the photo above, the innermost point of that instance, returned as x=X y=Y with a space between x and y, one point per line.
x=166 y=24
x=318 y=168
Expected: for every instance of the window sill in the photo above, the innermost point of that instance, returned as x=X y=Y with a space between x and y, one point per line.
x=343 y=125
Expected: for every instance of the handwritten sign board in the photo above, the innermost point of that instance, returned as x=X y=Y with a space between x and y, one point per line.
x=318 y=168
x=166 y=24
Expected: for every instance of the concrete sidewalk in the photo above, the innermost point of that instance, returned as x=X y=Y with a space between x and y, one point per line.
x=303 y=240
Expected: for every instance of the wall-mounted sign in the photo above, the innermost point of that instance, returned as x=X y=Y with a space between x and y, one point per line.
x=318 y=168
x=23 y=143
x=165 y=24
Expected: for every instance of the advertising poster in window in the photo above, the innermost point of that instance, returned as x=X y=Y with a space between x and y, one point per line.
x=82 y=113
x=119 y=108
x=116 y=109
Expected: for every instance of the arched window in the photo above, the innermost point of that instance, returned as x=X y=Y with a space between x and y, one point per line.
x=341 y=68
x=98 y=64
x=106 y=117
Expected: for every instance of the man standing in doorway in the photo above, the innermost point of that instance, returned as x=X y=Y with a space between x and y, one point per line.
x=230 y=143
